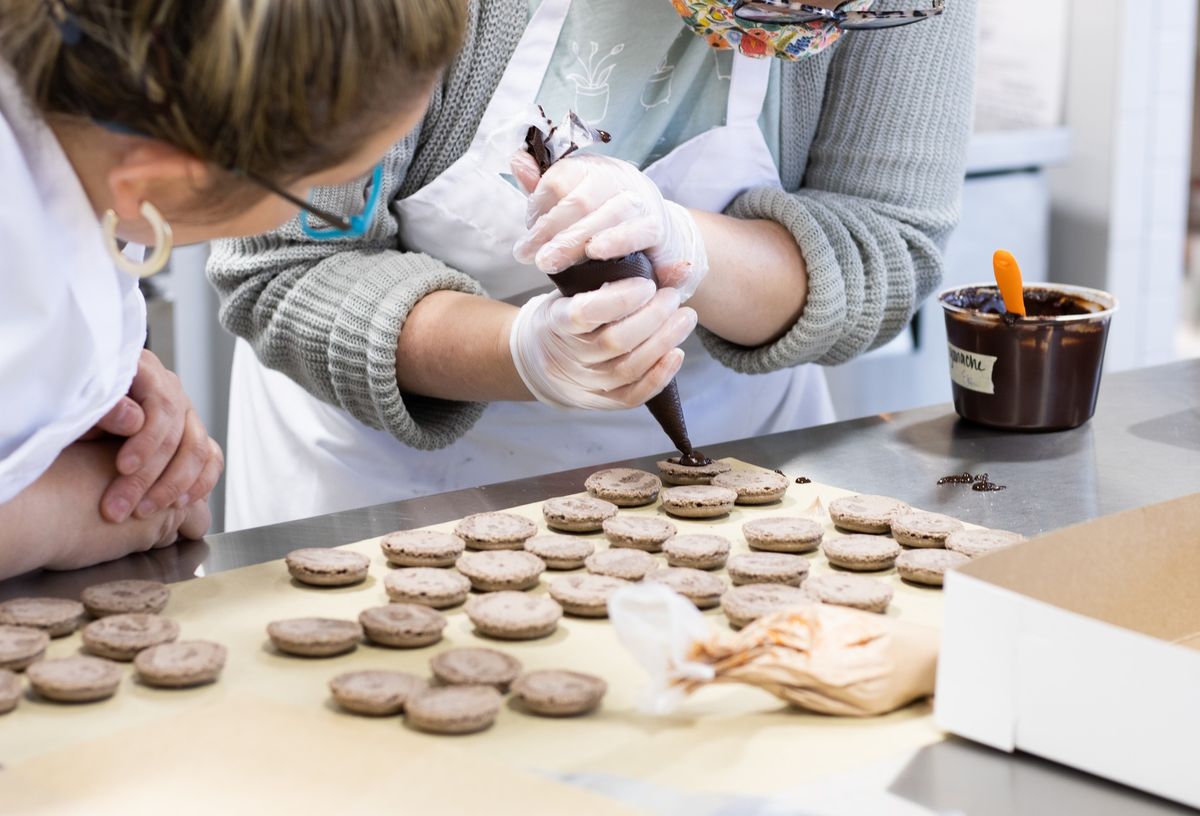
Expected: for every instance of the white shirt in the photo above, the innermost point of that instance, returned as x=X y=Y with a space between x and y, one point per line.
x=71 y=325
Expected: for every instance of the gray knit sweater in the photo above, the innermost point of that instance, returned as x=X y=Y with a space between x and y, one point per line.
x=874 y=143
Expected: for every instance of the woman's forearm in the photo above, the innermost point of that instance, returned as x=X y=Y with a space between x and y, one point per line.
x=56 y=521
x=454 y=346
x=757 y=281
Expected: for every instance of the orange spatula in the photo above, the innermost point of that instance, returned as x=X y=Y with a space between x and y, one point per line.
x=1008 y=278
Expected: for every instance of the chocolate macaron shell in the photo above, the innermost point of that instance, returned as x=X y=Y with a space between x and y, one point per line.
x=577 y=514
x=315 y=637
x=324 y=567
x=674 y=473
x=375 y=693
x=624 y=487
x=866 y=513
x=848 y=589
x=514 y=615
x=561 y=552
x=921 y=529
x=121 y=637
x=21 y=646
x=784 y=534
x=701 y=588
x=453 y=710
x=698 y=501
x=79 y=679
x=585 y=595
x=638 y=532
x=118 y=597
x=495 y=531
x=753 y=487
x=498 y=570
x=180 y=664
x=556 y=693
x=745 y=604
x=928 y=566
x=860 y=552
x=57 y=617
x=976 y=543
x=698 y=551
x=421 y=548
x=767 y=568
x=624 y=563
x=402 y=626
x=429 y=586
x=10 y=690
x=476 y=666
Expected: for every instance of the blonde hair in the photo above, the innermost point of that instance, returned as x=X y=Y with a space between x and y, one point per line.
x=272 y=89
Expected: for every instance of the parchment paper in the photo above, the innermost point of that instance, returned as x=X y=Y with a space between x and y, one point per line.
x=269 y=710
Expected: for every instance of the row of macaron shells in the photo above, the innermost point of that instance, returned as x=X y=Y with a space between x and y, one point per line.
x=506 y=555
x=466 y=691
x=468 y=683
x=128 y=627
x=500 y=564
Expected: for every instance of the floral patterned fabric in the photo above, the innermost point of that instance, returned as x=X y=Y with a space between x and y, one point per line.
x=714 y=20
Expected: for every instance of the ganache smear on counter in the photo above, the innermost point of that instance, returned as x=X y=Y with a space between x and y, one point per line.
x=981 y=483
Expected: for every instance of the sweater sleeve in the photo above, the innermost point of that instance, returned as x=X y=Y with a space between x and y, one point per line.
x=329 y=314
x=880 y=191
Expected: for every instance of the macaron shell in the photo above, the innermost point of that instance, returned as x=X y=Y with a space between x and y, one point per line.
x=78 y=679
x=453 y=710
x=181 y=664
x=624 y=487
x=553 y=693
x=58 y=617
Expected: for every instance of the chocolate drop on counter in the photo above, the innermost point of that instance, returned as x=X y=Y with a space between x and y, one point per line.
x=981 y=483
x=803 y=480
x=665 y=407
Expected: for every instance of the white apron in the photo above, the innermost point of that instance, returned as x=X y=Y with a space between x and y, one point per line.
x=292 y=456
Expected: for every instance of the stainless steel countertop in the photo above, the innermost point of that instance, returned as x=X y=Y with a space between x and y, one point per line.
x=1143 y=446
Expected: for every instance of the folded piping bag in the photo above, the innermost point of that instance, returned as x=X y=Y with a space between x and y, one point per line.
x=819 y=657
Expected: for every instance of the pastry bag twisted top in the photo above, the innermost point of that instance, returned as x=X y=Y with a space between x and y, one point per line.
x=828 y=659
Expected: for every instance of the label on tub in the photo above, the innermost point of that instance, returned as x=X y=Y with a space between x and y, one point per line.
x=972 y=371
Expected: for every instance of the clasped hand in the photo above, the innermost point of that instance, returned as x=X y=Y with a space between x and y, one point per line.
x=615 y=347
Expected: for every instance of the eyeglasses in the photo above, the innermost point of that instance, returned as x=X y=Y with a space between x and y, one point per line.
x=336 y=226
x=784 y=12
x=157 y=98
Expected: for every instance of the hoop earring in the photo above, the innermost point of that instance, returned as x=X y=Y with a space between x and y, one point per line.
x=163 y=242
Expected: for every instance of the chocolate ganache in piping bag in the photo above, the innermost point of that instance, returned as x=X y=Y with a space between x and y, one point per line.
x=547 y=143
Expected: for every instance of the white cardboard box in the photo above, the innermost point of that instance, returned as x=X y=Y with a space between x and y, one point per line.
x=1083 y=646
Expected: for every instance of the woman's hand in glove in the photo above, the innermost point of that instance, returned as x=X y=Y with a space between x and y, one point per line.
x=610 y=349
x=603 y=208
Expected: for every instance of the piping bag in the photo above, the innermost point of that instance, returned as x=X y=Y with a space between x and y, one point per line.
x=828 y=659
x=548 y=143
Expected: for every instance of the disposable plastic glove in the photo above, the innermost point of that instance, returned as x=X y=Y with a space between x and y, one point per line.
x=610 y=349
x=601 y=208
